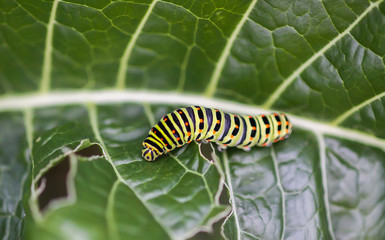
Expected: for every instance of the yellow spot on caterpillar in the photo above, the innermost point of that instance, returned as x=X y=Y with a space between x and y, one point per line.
x=218 y=121
x=267 y=125
x=186 y=123
x=236 y=126
x=214 y=132
x=254 y=128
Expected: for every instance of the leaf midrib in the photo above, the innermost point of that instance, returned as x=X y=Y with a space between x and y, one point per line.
x=58 y=98
x=308 y=124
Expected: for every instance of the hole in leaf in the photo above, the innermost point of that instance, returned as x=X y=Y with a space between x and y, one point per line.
x=55 y=183
x=55 y=179
x=224 y=198
x=215 y=234
x=207 y=151
x=91 y=151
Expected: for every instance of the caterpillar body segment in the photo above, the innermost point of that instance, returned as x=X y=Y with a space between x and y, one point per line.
x=197 y=123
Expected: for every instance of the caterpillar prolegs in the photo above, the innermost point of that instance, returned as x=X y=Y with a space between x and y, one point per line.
x=197 y=123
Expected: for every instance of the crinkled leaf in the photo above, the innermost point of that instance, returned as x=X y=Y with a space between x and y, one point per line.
x=322 y=62
x=14 y=161
x=120 y=192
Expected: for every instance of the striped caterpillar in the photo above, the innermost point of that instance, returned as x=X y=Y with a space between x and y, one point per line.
x=207 y=124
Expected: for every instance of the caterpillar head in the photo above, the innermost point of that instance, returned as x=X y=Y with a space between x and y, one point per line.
x=149 y=152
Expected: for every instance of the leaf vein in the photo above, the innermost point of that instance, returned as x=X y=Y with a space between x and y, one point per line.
x=356 y=108
x=58 y=98
x=322 y=152
x=231 y=194
x=213 y=82
x=94 y=124
x=111 y=223
x=45 y=83
x=285 y=84
x=121 y=77
x=280 y=187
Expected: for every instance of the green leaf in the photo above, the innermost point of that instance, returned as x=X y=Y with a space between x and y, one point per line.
x=14 y=161
x=177 y=196
x=82 y=82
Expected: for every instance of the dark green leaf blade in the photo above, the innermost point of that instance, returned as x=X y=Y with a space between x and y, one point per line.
x=316 y=60
x=14 y=168
x=171 y=196
x=102 y=208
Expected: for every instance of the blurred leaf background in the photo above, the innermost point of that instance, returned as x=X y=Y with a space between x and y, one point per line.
x=82 y=82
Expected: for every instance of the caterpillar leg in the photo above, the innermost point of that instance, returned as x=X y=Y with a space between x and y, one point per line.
x=247 y=149
x=221 y=147
x=267 y=144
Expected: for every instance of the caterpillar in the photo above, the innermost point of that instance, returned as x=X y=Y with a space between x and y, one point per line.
x=197 y=123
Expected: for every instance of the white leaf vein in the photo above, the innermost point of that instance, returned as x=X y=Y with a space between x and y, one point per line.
x=121 y=77
x=213 y=82
x=322 y=153
x=231 y=193
x=288 y=81
x=58 y=98
x=95 y=128
x=280 y=187
x=45 y=83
